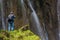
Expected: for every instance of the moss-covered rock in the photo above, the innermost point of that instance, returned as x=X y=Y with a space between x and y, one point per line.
x=18 y=35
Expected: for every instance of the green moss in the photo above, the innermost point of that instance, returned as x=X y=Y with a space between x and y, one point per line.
x=18 y=35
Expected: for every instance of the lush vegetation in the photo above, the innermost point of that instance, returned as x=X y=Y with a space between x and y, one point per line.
x=18 y=35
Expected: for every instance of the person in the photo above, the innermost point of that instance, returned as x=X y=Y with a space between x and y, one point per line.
x=11 y=18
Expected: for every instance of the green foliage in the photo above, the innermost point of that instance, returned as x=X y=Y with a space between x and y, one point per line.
x=18 y=35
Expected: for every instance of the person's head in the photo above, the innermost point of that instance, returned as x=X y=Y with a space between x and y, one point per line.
x=11 y=12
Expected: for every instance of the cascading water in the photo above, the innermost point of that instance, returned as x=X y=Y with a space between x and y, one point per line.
x=58 y=11
x=36 y=20
x=35 y=23
x=2 y=14
x=23 y=12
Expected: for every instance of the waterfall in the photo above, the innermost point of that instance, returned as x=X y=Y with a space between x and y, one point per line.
x=36 y=22
x=58 y=11
x=2 y=14
x=23 y=12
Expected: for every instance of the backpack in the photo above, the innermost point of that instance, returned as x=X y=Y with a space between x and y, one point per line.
x=11 y=19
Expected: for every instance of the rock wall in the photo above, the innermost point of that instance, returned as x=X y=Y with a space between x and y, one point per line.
x=47 y=13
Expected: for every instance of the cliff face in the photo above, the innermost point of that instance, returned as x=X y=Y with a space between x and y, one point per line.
x=45 y=9
x=51 y=19
x=47 y=13
x=58 y=11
